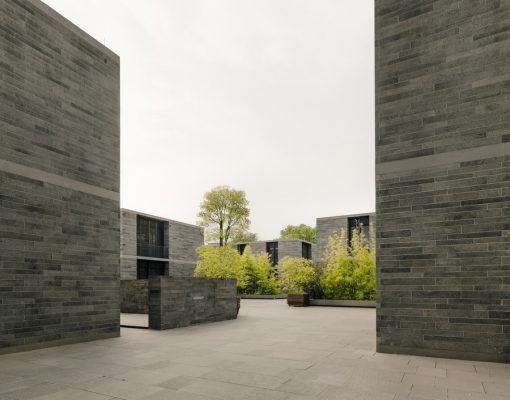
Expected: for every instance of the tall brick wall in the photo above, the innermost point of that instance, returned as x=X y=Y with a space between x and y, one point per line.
x=59 y=181
x=127 y=245
x=328 y=225
x=443 y=187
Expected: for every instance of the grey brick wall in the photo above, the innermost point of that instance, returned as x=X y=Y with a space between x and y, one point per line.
x=127 y=245
x=443 y=187
x=177 y=302
x=184 y=239
x=290 y=248
x=326 y=226
x=59 y=181
x=256 y=247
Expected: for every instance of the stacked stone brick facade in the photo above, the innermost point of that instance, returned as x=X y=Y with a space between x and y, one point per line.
x=181 y=239
x=443 y=187
x=59 y=181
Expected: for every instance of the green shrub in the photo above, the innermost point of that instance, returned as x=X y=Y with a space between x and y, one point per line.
x=349 y=273
x=258 y=274
x=297 y=275
x=253 y=272
x=222 y=262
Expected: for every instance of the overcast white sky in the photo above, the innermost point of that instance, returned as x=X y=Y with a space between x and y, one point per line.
x=274 y=97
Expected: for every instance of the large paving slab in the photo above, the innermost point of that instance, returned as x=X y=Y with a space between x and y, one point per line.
x=271 y=352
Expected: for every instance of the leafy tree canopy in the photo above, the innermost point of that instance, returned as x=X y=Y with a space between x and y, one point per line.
x=304 y=232
x=223 y=212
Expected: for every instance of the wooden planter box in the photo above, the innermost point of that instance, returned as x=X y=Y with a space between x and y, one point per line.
x=298 y=300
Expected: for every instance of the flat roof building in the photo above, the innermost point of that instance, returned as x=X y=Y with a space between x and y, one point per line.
x=152 y=245
x=326 y=226
x=279 y=248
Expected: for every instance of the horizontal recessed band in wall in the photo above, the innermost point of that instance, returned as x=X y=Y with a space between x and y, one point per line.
x=131 y=257
x=57 y=180
x=451 y=157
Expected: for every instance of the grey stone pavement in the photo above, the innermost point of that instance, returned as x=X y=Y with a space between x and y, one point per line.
x=271 y=352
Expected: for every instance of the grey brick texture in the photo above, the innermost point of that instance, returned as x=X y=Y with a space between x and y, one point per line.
x=178 y=302
x=59 y=181
x=443 y=187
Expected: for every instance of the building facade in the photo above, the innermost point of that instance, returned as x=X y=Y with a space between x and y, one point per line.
x=279 y=248
x=442 y=171
x=326 y=226
x=153 y=245
x=59 y=181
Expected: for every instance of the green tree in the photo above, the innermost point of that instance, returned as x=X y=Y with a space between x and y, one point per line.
x=302 y=231
x=243 y=237
x=223 y=213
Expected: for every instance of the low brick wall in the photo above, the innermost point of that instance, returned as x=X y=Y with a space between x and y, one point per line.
x=134 y=297
x=178 y=302
x=343 y=303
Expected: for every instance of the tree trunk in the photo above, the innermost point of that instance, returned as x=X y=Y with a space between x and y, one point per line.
x=221 y=233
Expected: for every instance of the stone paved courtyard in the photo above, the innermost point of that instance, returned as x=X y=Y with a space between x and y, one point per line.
x=270 y=352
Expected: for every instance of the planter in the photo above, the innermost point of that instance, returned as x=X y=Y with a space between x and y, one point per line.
x=298 y=300
x=343 y=303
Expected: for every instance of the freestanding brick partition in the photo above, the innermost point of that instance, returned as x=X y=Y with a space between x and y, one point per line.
x=59 y=181
x=177 y=302
x=443 y=183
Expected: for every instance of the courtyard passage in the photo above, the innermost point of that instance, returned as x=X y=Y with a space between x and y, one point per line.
x=270 y=352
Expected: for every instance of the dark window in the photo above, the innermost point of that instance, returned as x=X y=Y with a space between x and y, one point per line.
x=150 y=238
x=361 y=223
x=306 y=250
x=272 y=250
x=241 y=247
x=145 y=269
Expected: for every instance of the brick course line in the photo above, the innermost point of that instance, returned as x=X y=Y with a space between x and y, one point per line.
x=42 y=176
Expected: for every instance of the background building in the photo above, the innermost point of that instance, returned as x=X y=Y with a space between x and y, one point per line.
x=59 y=181
x=279 y=248
x=326 y=226
x=153 y=245
x=443 y=187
